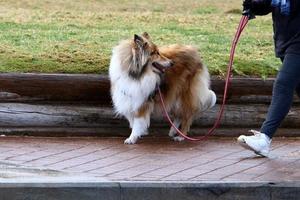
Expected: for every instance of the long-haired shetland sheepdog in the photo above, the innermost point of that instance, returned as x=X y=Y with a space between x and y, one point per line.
x=138 y=67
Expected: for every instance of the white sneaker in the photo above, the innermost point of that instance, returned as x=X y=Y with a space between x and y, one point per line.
x=259 y=143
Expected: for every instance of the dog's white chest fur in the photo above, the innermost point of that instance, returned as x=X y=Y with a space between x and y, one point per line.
x=128 y=94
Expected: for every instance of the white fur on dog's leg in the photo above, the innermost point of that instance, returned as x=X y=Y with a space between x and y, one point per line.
x=140 y=126
x=131 y=124
x=172 y=131
x=130 y=119
x=145 y=133
x=178 y=138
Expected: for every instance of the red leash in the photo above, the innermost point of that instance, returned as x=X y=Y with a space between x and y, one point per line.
x=242 y=25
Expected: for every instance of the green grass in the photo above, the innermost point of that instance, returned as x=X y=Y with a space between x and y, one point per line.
x=76 y=36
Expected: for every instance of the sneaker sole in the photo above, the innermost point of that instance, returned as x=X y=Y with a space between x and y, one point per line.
x=243 y=143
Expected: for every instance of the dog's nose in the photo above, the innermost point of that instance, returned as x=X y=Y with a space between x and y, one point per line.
x=172 y=63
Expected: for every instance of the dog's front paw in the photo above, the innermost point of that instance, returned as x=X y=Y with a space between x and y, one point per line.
x=131 y=140
x=178 y=138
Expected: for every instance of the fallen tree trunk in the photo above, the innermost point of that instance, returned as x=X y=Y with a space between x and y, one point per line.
x=125 y=131
x=54 y=87
x=88 y=116
x=79 y=88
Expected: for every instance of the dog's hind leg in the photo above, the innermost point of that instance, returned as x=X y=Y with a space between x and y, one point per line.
x=173 y=132
x=185 y=128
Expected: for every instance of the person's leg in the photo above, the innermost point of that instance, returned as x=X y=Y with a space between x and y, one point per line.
x=298 y=90
x=288 y=79
x=286 y=82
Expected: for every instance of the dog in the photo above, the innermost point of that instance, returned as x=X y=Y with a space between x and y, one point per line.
x=138 y=67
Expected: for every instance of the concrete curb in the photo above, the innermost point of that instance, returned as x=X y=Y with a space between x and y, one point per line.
x=149 y=190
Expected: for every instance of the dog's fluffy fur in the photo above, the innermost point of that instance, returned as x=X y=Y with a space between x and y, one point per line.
x=138 y=66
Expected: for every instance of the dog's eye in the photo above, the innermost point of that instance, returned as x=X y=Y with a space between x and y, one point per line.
x=145 y=45
x=154 y=53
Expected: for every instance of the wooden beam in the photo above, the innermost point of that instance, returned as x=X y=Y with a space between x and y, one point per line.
x=28 y=87
x=90 y=116
x=125 y=132
x=54 y=87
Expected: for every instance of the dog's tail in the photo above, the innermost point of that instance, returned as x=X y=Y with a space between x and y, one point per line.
x=206 y=97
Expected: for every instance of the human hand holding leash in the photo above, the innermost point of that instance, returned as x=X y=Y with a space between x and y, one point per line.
x=247 y=4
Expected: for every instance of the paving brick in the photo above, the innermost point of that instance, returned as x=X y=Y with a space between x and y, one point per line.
x=90 y=157
x=120 y=166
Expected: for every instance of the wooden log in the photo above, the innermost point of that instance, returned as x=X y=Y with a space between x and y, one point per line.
x=88 y=116
x=125 y=131
x=26 y=87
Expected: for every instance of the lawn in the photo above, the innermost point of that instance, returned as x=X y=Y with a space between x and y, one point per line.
x=77 y=36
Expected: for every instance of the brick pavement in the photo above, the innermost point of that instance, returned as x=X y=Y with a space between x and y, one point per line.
x=152 y=159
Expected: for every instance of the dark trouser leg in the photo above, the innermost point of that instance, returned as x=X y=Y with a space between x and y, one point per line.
x=298 y=90
x=288 y=79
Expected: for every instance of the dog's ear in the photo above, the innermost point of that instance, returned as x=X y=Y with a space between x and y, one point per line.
x=146 y=35
x=138 y=40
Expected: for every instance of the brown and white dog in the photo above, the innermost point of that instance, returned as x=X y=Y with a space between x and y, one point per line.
x=138 y=67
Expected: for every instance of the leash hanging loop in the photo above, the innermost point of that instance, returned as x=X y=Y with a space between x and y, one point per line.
x=243 y=22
